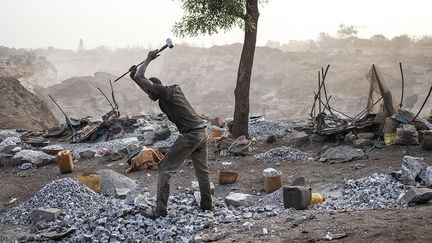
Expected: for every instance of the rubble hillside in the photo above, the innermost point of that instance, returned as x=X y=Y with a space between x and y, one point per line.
x=282 y=83
x=79 y=96
x=30 y=69
x=21 y=108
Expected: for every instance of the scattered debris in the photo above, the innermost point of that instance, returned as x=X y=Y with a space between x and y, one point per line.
x=358 y=166
x=248 y=226
x=112 y=145
x=58 y=233
x=11 y=201
x=240 y=146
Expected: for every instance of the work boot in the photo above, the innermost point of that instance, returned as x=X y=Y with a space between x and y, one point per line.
x=152 y=213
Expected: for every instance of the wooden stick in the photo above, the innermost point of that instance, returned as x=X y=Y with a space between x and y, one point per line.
x=421 y=108
x=403 y=84
x=68 y=121
x=319 y=91
x=367 y=108
x=324 y=75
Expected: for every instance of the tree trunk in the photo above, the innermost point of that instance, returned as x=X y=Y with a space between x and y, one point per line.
x=241 y=92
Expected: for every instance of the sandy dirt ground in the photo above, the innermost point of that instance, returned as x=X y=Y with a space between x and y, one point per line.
x=411 y=224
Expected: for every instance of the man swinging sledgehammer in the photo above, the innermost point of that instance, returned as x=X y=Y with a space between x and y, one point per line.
x=191 y=141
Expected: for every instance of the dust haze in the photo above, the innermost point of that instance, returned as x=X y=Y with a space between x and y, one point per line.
x=284 y=75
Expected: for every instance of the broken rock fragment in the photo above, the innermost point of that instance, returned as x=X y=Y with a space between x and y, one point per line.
x=342 y=154
x=238 y=199
x=48 y=214
x=416 y=196
x=411 y=168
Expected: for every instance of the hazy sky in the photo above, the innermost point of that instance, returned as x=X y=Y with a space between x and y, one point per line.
x=121 y=23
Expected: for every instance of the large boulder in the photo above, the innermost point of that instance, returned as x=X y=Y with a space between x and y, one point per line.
x=411 y=169
x=113 y=182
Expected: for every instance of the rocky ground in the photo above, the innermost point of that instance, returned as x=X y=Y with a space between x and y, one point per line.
x=354 y=209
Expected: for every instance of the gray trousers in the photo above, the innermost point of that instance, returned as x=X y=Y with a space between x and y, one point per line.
x=193 y=143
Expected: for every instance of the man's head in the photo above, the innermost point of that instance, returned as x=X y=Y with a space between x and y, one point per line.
x=150 y=94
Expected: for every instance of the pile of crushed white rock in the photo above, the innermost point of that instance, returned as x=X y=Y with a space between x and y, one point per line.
x=375 y=191
x=79 y=215
x=261 y=128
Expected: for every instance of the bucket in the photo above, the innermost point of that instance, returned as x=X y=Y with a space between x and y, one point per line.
x=272 y=183
x=91 y=180
x=227 y=177
x=298 y=197
x=317 y=198
x=215 y=134
x=65 y=161
x=427 y=140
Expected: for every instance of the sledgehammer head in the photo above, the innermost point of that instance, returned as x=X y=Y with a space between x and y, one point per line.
x=168 y=44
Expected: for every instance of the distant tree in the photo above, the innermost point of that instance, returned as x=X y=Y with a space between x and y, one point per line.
x=379 y=40
x=273 y=44
x=346 y=31
x=208 y=17
x=401 y=42
x=81 y=45
x=425 y=42
x=326 y=41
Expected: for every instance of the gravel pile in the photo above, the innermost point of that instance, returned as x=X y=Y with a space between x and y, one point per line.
x=107 y=219
x=375 y=191
x=281 y=153
x=112 y=145
x=261 y=129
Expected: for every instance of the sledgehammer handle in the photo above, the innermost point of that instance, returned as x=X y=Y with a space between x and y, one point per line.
x=162 y=48
x=124 y=74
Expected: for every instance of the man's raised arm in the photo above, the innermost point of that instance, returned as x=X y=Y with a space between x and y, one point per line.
x=138 y=75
